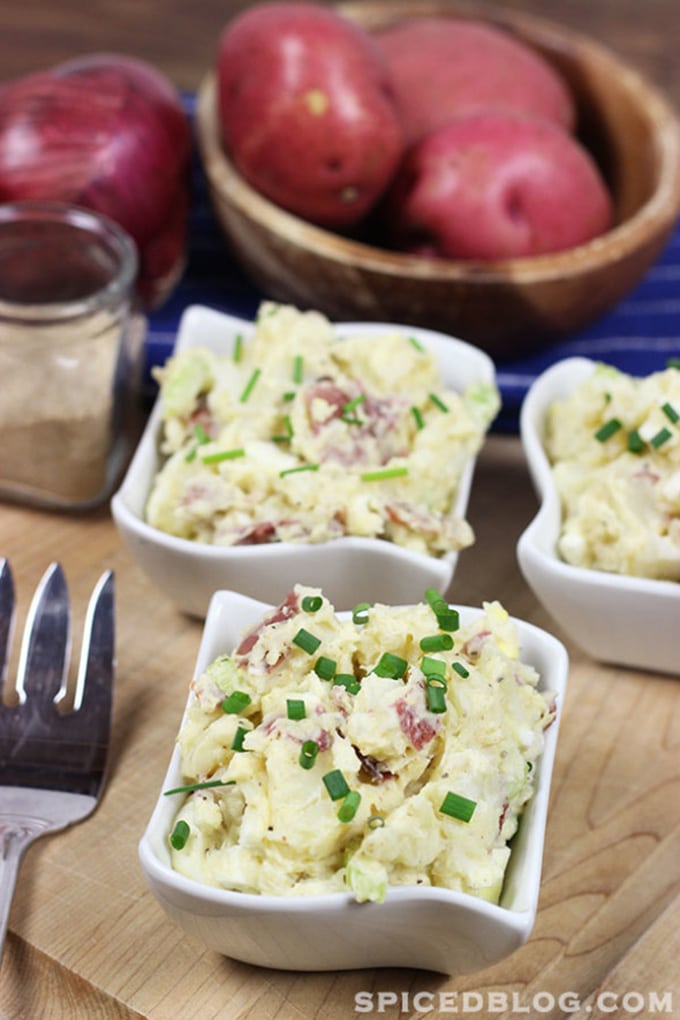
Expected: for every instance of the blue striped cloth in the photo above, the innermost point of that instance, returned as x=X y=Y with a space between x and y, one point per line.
x=639 y=335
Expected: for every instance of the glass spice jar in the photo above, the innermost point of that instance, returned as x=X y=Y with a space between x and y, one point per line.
x=71 y=349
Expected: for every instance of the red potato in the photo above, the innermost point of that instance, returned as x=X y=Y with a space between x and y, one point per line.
x=306 y=112
x=495 y=185
x=442 y=67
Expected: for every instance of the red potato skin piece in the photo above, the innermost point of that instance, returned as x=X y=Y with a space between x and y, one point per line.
x=443 y=67
x=306 y=111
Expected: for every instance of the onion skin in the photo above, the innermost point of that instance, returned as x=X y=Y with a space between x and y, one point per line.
x=106 y=132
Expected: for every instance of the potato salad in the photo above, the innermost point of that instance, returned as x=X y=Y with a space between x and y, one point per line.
x=386 y=746
x=614 y=444
x=299 y=434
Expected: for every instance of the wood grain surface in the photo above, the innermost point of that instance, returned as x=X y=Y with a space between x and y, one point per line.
x=86 y=938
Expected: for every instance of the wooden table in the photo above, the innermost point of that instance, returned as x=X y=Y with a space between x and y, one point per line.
x=86 y=938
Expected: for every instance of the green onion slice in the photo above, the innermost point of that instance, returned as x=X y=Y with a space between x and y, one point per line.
x=438 y=402
x=180 y=835
x=235 y=702
x=220 y=455
x=298 y=368
x=635 y=442
x=312 y=603
x=460 y=669
x=200 y=434
x=433 y=667
x=295 y=708
x=436 y=694
x=360 y=612
x=383 y=474
x=296 y=470
x=206 y=785
x=673 y=363
x=436 y=643
x=457 y=806
x=348 y=681
x=335 y=784
x=351 y=405
x=390 y=665
x=325 y=667
x=607 y=430
x=288 y=396
x=239 y=736
x=415 y=342
x=250 y=385
x=662 y=436
x=237 y=353
x=417 y=417
x=349 y=806
x=191 y=455
x=306 y=641
x=670 y=413
x=308 y=753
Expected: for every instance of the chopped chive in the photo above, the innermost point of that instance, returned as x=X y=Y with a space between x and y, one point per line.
x=239 y=736
x=673 y=363
x=390 y=665
x=288 y=396
x=200 y=434
x=432 y=666
x=448 y=619
x=295 y=708
x=180 y=835
x=348 y=681
x=236 y=702
x=415 y=342
x=349 y=806
x=288 y=431
x=295 y=470
x=206 y=785
x=662 y=436
x=460 y=669
x=191 y=455
x=438 y=402
x=348 y=420
x=237 y=353
x=360 y=612
x=298 y=368
x=435 y=598
x=312 y=603
x=436 y=694
x=216 y=458
x=351 y=405
x=436 y=643
x=670 y=413
x=250 y=385
x=383 y=474
x=325 y=667
x=635 y=442
x=457 y=806
x=306 y=641
x=418 y=418
x=376 y=822
x=607 y=430
x=335 y=784
x=308 y=753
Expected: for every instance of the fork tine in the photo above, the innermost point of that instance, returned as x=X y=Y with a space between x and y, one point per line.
x=6 y=616
x=45 y=647
x=94 y=686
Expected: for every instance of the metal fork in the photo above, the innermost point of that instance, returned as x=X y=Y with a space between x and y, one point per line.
x=52 y=762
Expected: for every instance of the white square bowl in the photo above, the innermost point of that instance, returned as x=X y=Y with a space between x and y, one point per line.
x=430 y=928
x=189 y=572
x=615 y=618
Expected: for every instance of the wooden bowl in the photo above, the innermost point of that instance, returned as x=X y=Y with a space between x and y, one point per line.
x=505 y=307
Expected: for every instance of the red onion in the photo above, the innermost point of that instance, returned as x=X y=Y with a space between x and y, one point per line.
x=107 y=132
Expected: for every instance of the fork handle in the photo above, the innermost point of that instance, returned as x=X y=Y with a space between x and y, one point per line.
x=16 y=834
